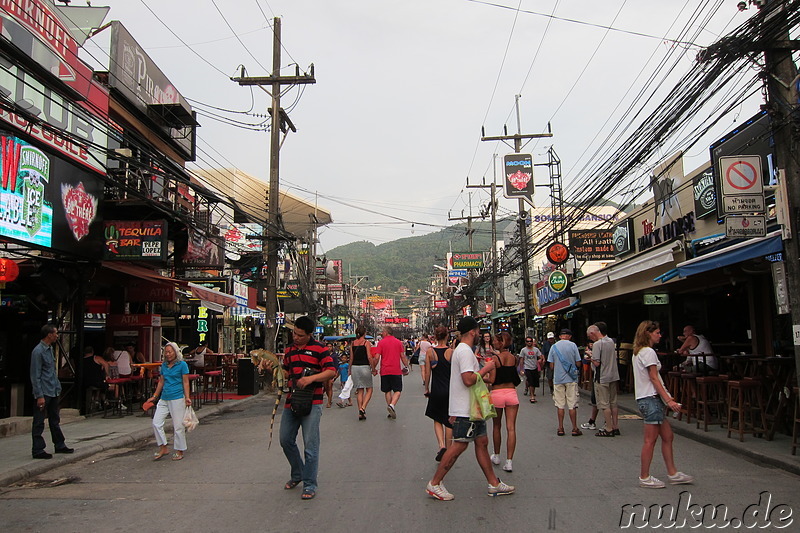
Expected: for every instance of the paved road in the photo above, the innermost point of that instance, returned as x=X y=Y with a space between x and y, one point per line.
x=372 y=478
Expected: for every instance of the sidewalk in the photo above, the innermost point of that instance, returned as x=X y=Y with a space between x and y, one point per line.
x=87 y=436
x=775 y=453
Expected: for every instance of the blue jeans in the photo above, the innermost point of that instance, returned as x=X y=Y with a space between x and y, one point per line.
x=305 y=471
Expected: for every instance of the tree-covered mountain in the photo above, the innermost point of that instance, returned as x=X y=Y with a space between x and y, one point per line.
x=409 y=262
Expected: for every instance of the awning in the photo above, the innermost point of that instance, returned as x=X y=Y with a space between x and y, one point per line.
x=560 y=305
x=590 y=282
x=214 y=297
x=644 y=262
x=142 y=273
x=748 y=249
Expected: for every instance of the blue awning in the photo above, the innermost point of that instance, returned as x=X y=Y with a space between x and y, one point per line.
x=742 y=251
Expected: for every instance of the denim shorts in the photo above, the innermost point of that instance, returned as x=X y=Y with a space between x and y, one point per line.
x=652 y=409
x=466 y=430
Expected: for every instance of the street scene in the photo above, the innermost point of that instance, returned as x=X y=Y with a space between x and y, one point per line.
x=375 y=471
x=462 y=265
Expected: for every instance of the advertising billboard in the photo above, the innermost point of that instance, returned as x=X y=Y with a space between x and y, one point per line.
x=518 y=176
x=135 y=240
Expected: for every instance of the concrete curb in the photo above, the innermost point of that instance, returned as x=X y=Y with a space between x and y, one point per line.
x=724 y=444
x=41 y=466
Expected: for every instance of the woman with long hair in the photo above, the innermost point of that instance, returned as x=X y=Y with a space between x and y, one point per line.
x=504 y=379
x=362 y=368
x=437 y=389
x=652 y=398
x=485 y=348
x=172 y=393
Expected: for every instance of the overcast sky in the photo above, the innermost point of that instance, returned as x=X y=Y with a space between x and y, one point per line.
x=391 y=131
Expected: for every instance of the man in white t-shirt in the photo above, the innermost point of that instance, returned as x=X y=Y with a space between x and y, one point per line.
x=123 y=359
x=464 y=369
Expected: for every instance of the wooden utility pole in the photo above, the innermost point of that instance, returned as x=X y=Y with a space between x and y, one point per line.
x=493 y=211
x=523 y=212
x=279 y=123
x=781 y=72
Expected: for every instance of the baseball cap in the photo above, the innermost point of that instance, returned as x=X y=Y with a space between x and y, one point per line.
x=565 y=331
x=551 y=335
x=466 y=324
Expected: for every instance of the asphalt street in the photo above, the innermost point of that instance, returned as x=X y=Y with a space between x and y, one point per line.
x=372 y=478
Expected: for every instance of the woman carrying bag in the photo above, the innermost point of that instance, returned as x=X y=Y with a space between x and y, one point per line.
x=172 y=393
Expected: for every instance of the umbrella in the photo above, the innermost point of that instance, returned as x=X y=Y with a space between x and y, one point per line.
x=353 y=337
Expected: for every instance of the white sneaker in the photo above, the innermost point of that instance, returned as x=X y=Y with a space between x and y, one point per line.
x=507 y=466
x=438 y=492
x=495 y=458
x=392 y=412
x=651 y=483
x=589 y=425
x=680 y=479
x=501 y=489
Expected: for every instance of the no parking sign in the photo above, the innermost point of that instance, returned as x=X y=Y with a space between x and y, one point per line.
x=742 y=184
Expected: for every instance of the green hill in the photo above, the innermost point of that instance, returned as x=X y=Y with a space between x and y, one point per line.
x=409 y=262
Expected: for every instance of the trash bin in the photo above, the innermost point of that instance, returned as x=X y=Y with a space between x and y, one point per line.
x=248 y=377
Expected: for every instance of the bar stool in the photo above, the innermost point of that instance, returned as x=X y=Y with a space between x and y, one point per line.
x=796 y=419
x=710 y=397
x=745 y=400
x=688 y=395
x=118 y=405
x=195 y=391
x=212 y=385
x=674 y=383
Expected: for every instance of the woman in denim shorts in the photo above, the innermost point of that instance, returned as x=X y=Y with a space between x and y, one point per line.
x=651 y=398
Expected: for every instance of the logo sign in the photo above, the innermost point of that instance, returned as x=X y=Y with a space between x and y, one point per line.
x=557 y=253
x=440 y=304
x=280 y=317
x=655 y=299
x=518 y=172
x=622 y=237
x=557 y=280
x=746 y=226
x=135 y=240
x=705 y=196
x=457 y=273
x=466 y=260
x=80 y=209
x=25 y=213
x=742 y=185
x=592 y=244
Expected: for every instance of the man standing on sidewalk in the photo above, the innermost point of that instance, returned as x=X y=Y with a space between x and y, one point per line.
x=564 y=359
x=390 y=353
x=46 y=390
x=464 y=369
x=604 y=360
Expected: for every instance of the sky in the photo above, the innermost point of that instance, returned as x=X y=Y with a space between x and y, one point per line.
x=389 y=136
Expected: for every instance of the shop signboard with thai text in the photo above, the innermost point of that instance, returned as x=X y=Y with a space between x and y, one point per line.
x=465 y=260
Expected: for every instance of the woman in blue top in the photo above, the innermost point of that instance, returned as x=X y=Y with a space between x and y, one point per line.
x=172 y=393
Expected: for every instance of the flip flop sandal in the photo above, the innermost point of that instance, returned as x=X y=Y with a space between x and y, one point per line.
x=604 y=433
x=159 y=455
x=576 y=433
x=177 y=456
x=290 y=485
x=560 y=433
x=308 y=495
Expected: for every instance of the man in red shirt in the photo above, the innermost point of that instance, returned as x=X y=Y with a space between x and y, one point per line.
x=390 y=353
x=307 y=363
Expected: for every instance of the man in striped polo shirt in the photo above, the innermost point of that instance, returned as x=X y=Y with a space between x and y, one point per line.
x=307 y=363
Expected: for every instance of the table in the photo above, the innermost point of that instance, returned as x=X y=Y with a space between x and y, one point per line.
x=776 y=374
x=148 y=375
x=737 y=366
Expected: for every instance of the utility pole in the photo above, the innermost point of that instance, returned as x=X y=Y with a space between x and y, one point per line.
x=493 y=211
x=781 y=72
x=279 y=123
x=523 y=214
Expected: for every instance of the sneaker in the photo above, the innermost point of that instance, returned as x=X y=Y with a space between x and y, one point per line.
x=392 y=412
x=589 y=425
x=501 y=489
x=42 y=455
x=680 y=479
x=495 y=458
x=65 y=449
x=651 y=483
x=438 y=492
x=507 y=466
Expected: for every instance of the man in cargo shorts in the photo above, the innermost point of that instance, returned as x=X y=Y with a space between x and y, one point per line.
x=463 y=369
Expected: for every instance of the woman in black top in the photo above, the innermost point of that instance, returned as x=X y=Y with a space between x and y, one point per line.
x=362 y=368
x=437 y=389
x=504 y=379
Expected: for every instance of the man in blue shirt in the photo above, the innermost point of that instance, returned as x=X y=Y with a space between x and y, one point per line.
x=46 y=390
x=565 y=359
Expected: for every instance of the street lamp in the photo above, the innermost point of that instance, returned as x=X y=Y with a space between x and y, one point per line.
x=440 y=267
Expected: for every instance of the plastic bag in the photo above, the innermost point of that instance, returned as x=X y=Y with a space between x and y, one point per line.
x=480 y=405
x=190 y=419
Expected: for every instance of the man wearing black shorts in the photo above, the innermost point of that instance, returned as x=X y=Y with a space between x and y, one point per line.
x=391 y=353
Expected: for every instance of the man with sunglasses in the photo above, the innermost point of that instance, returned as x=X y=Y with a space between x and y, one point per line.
x=464 y=370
